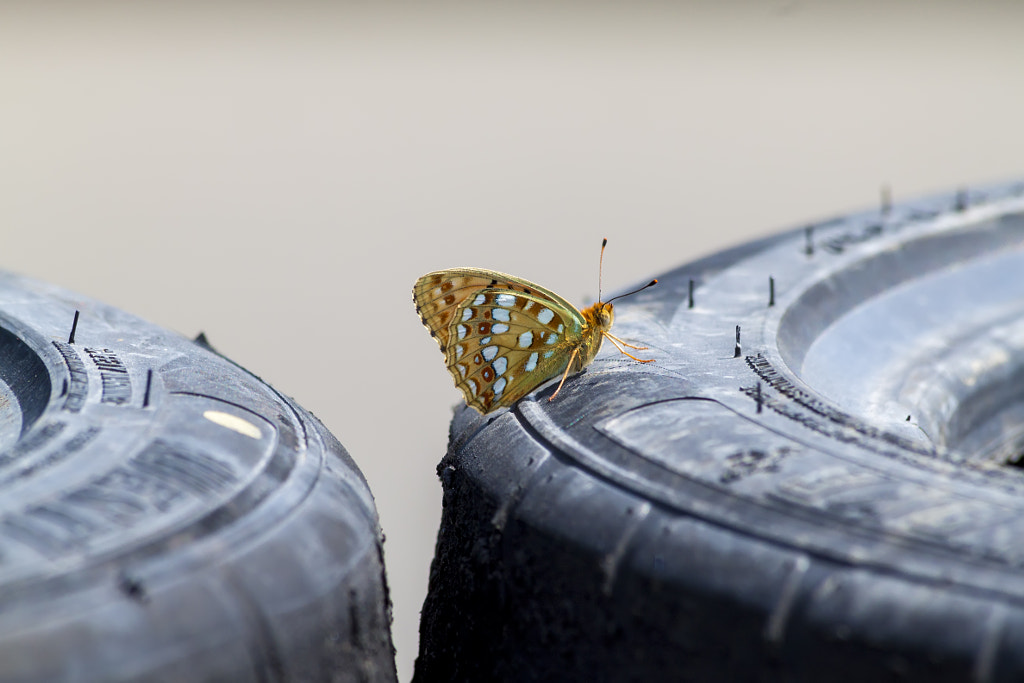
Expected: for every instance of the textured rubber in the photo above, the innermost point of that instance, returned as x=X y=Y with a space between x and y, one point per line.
x=818 y=479
x=167 y=516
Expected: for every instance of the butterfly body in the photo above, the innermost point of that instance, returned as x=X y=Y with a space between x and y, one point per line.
x=503 y=336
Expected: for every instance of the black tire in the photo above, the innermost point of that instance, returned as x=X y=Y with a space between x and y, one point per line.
x=835 y=498
x=167 y=516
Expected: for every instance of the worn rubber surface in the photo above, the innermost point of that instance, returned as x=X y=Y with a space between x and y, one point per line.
x=167 y=516
x=835 y=498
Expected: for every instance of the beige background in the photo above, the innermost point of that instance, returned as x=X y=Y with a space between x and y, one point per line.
x=279 y=174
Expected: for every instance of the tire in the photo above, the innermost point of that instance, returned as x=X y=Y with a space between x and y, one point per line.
x=836 y=497
x=167 y=516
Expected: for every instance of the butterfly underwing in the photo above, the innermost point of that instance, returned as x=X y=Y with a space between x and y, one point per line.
x=503 y=336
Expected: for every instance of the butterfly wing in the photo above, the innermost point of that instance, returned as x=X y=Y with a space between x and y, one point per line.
x=437 y=295
x=505 y=344
x=502 y=336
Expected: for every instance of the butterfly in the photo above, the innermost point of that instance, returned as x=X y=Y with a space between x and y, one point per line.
x=503 y=336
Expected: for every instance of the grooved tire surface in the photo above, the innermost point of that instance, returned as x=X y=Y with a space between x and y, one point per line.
x=167 y=516
x=836 y=498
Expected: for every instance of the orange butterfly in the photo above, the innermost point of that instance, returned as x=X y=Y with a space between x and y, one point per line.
x=503 y=336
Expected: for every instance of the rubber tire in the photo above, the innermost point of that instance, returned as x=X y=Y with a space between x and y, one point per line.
x=719 y=515
x=167 y=516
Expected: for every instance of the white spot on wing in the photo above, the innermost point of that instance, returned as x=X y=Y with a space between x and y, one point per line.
x=485 y=341
x=472 y=386
x=500 y=366
x=462 y=370
x=462 y=331
x=545 y=315
x=467 y=314
x=548 y=354
x=500 y=314
x=499 y=386
x=490 y=352
x=480 y=298
x=499 y=328
x=525 y=339
x=552 y=338
x=505 y=300
x=531 y=364
x=561 y=328
x=459 y=350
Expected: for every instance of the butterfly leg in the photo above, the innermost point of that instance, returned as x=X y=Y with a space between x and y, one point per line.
x=615 y=342
x=565 y=374
x=612 y=336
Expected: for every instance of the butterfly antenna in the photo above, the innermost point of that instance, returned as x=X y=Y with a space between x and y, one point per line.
x=600 y=268
x=649 y=284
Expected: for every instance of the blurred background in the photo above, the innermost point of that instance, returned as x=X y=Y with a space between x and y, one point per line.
x=278 y=174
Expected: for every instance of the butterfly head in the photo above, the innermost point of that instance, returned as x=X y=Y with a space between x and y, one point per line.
x=599 y=316
x=605 y=315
